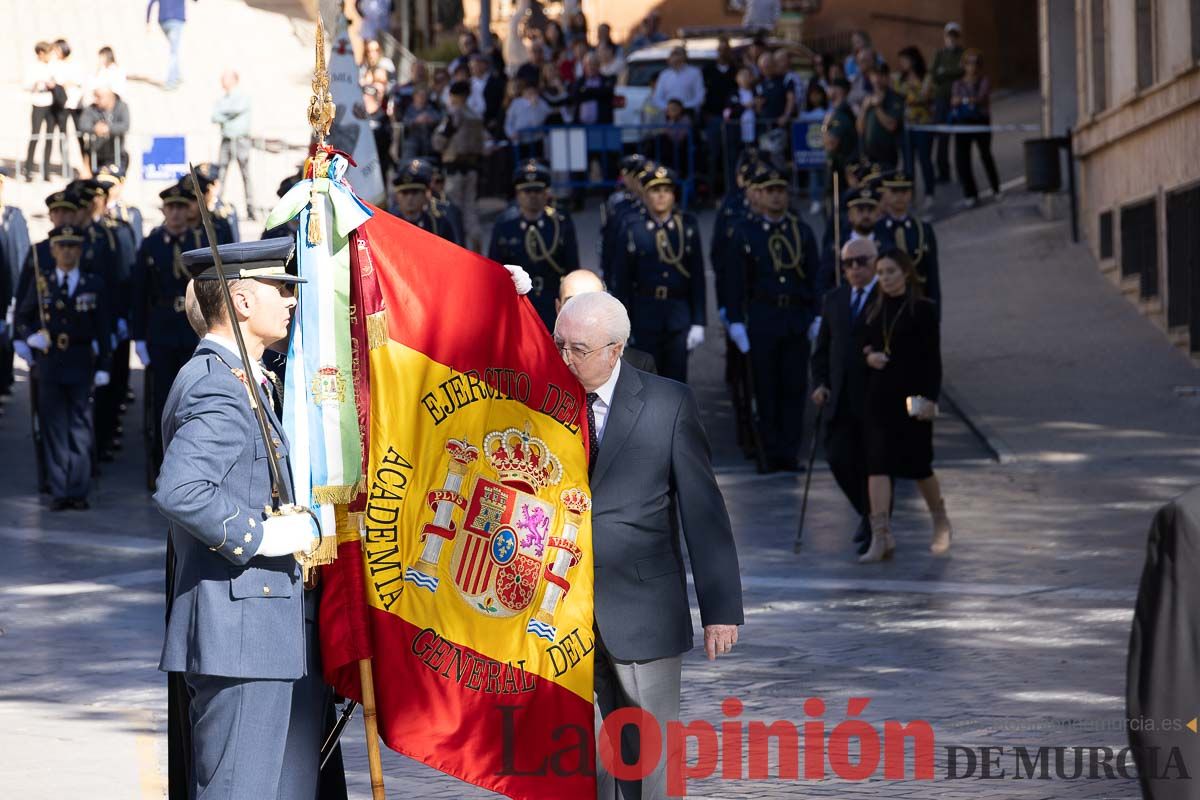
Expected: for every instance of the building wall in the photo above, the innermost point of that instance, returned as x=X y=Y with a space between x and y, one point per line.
x=1144 y=144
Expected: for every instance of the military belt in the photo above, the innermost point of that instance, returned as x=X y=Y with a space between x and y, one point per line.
x=782 y=300
x=662 y=293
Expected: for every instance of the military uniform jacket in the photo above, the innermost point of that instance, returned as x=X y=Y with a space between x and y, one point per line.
x=545 y=247
x=623 y=209
x=660 y=275
x=157 y=314
x=733 y=210
x=78 y=325
x=915 y=238
x=101 y=256
x=443 y=209
x=773 y=266
x=225 y=216
x=131 y=216
x=437 y=224
x=233 y=614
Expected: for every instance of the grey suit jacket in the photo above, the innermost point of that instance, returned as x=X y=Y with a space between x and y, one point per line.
x=654 y=458
x=234 y=614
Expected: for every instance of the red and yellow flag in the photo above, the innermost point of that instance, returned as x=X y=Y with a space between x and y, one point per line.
x=465 y=571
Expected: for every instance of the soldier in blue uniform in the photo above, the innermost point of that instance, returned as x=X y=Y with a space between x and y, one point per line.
x=125 y=223
x=411 y=191
x=65 y=321
x=539 y=238
x=442 y=206
x=221 y=226
x=626 y=197
x=660 y=276
x=900 y=229
x=210 y=182
x=158 y=319
x=772 y=299
x=241 y=626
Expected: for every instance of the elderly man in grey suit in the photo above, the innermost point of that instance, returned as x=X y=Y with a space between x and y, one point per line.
x=650 y=472
x=237 y=626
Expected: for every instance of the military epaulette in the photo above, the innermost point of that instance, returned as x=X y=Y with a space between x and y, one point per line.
x=551 y=211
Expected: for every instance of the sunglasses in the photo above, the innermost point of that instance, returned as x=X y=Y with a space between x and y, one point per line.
x=857 y=261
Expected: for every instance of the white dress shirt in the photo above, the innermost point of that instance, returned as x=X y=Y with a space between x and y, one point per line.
x=71 y=278
x=685 y=85
x=604 y=401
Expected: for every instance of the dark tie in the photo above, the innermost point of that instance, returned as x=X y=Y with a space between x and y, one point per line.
x=856 y=304
x=593 y=435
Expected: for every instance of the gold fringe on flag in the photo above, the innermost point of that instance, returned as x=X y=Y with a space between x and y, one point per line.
x=333 y=495
x=377 y=329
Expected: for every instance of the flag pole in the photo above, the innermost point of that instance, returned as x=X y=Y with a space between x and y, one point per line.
x=321 y=112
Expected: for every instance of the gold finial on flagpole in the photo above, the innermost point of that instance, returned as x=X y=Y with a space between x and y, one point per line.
x=321 y=108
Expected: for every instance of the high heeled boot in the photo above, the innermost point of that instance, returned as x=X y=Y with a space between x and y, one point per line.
x=942 y=531
x=882 y=543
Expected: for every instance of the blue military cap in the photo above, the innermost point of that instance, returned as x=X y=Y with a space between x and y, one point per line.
x=208 y=175
x=174 y=195
x=768 y=176
x=68 y=235
x=267 y=259
x=415 y=174
x=660 y=176
x=64 y=200
x=633 y=164
x=533 y=174
x=861 y=197
x=897 y=179
x=88 y=188
x=110 y=174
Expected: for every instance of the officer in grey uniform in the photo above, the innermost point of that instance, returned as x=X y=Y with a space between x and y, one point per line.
x=241 y=625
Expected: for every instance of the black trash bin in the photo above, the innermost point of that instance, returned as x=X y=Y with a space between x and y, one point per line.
x=1042 y=170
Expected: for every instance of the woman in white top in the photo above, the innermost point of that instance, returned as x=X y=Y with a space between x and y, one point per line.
x=40 y=85
x=108 y=75
x=69 y=76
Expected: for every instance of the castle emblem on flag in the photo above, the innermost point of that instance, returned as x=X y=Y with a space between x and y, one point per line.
x=508 y=542
x=328 y=386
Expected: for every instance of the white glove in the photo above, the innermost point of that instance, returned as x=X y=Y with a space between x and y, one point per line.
x=38 y=341
x=22 y=349
x=520 y=278
x=814 y=329
x=695 y=337
x=287 y=534
x=737 y=332
x=122 y=329
x=101 y=378
x=143 y=353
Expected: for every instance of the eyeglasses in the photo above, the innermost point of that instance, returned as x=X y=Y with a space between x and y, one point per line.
x=857 y=261
x=577 y=352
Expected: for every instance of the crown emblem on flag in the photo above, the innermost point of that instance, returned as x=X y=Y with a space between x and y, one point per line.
x=522 y=460
x=576 y=500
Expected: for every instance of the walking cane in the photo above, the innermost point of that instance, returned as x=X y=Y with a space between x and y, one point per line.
x=812 y=457
x=760 y=455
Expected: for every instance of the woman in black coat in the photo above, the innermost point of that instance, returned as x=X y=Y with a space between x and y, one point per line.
x=905 y=377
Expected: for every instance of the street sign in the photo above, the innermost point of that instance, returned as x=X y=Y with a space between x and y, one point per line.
x=808 y=146
x=166 y=160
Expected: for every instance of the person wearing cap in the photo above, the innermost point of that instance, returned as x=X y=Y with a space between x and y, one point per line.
x=858 y=222
x=459 y=139
x=840 y=374
x=157 y=318
x=898 y=228
x=626 y=198
x=660 y=276
x=212 y=184
x=772 y=295
x=840 y=130
x=439 y=204
x=241 y=624
x=64 y=327
x=539 y=238
x=946 y=70
x=113 y=177
x=223 y=223
x=411 y=188
x=880 y=123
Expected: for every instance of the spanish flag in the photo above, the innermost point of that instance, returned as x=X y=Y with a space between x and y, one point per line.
x=465 y=569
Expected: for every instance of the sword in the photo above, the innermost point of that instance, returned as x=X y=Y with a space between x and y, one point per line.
x=335 y=734
x=812 y=457
x=281 y=490
x=837 y=232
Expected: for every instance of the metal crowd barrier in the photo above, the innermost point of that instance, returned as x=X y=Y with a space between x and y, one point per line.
x=576 y=154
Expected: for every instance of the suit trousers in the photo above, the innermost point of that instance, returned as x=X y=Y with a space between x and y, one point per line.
x=652 y=686
x=780 y=360
x=846 y=453
x=258 y=739
x=65 y=414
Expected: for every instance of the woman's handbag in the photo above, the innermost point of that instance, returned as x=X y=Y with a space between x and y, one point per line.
x=921 y=407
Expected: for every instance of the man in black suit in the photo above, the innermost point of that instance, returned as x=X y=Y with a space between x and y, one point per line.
x=840 y=372
x=651 y=473
x=582 y=281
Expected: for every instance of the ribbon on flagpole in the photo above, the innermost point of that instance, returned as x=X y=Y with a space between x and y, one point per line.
x=320 y=416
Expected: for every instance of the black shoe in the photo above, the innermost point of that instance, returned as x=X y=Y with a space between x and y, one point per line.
x=863 y=546
x=60 y=504
x=80 y=504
